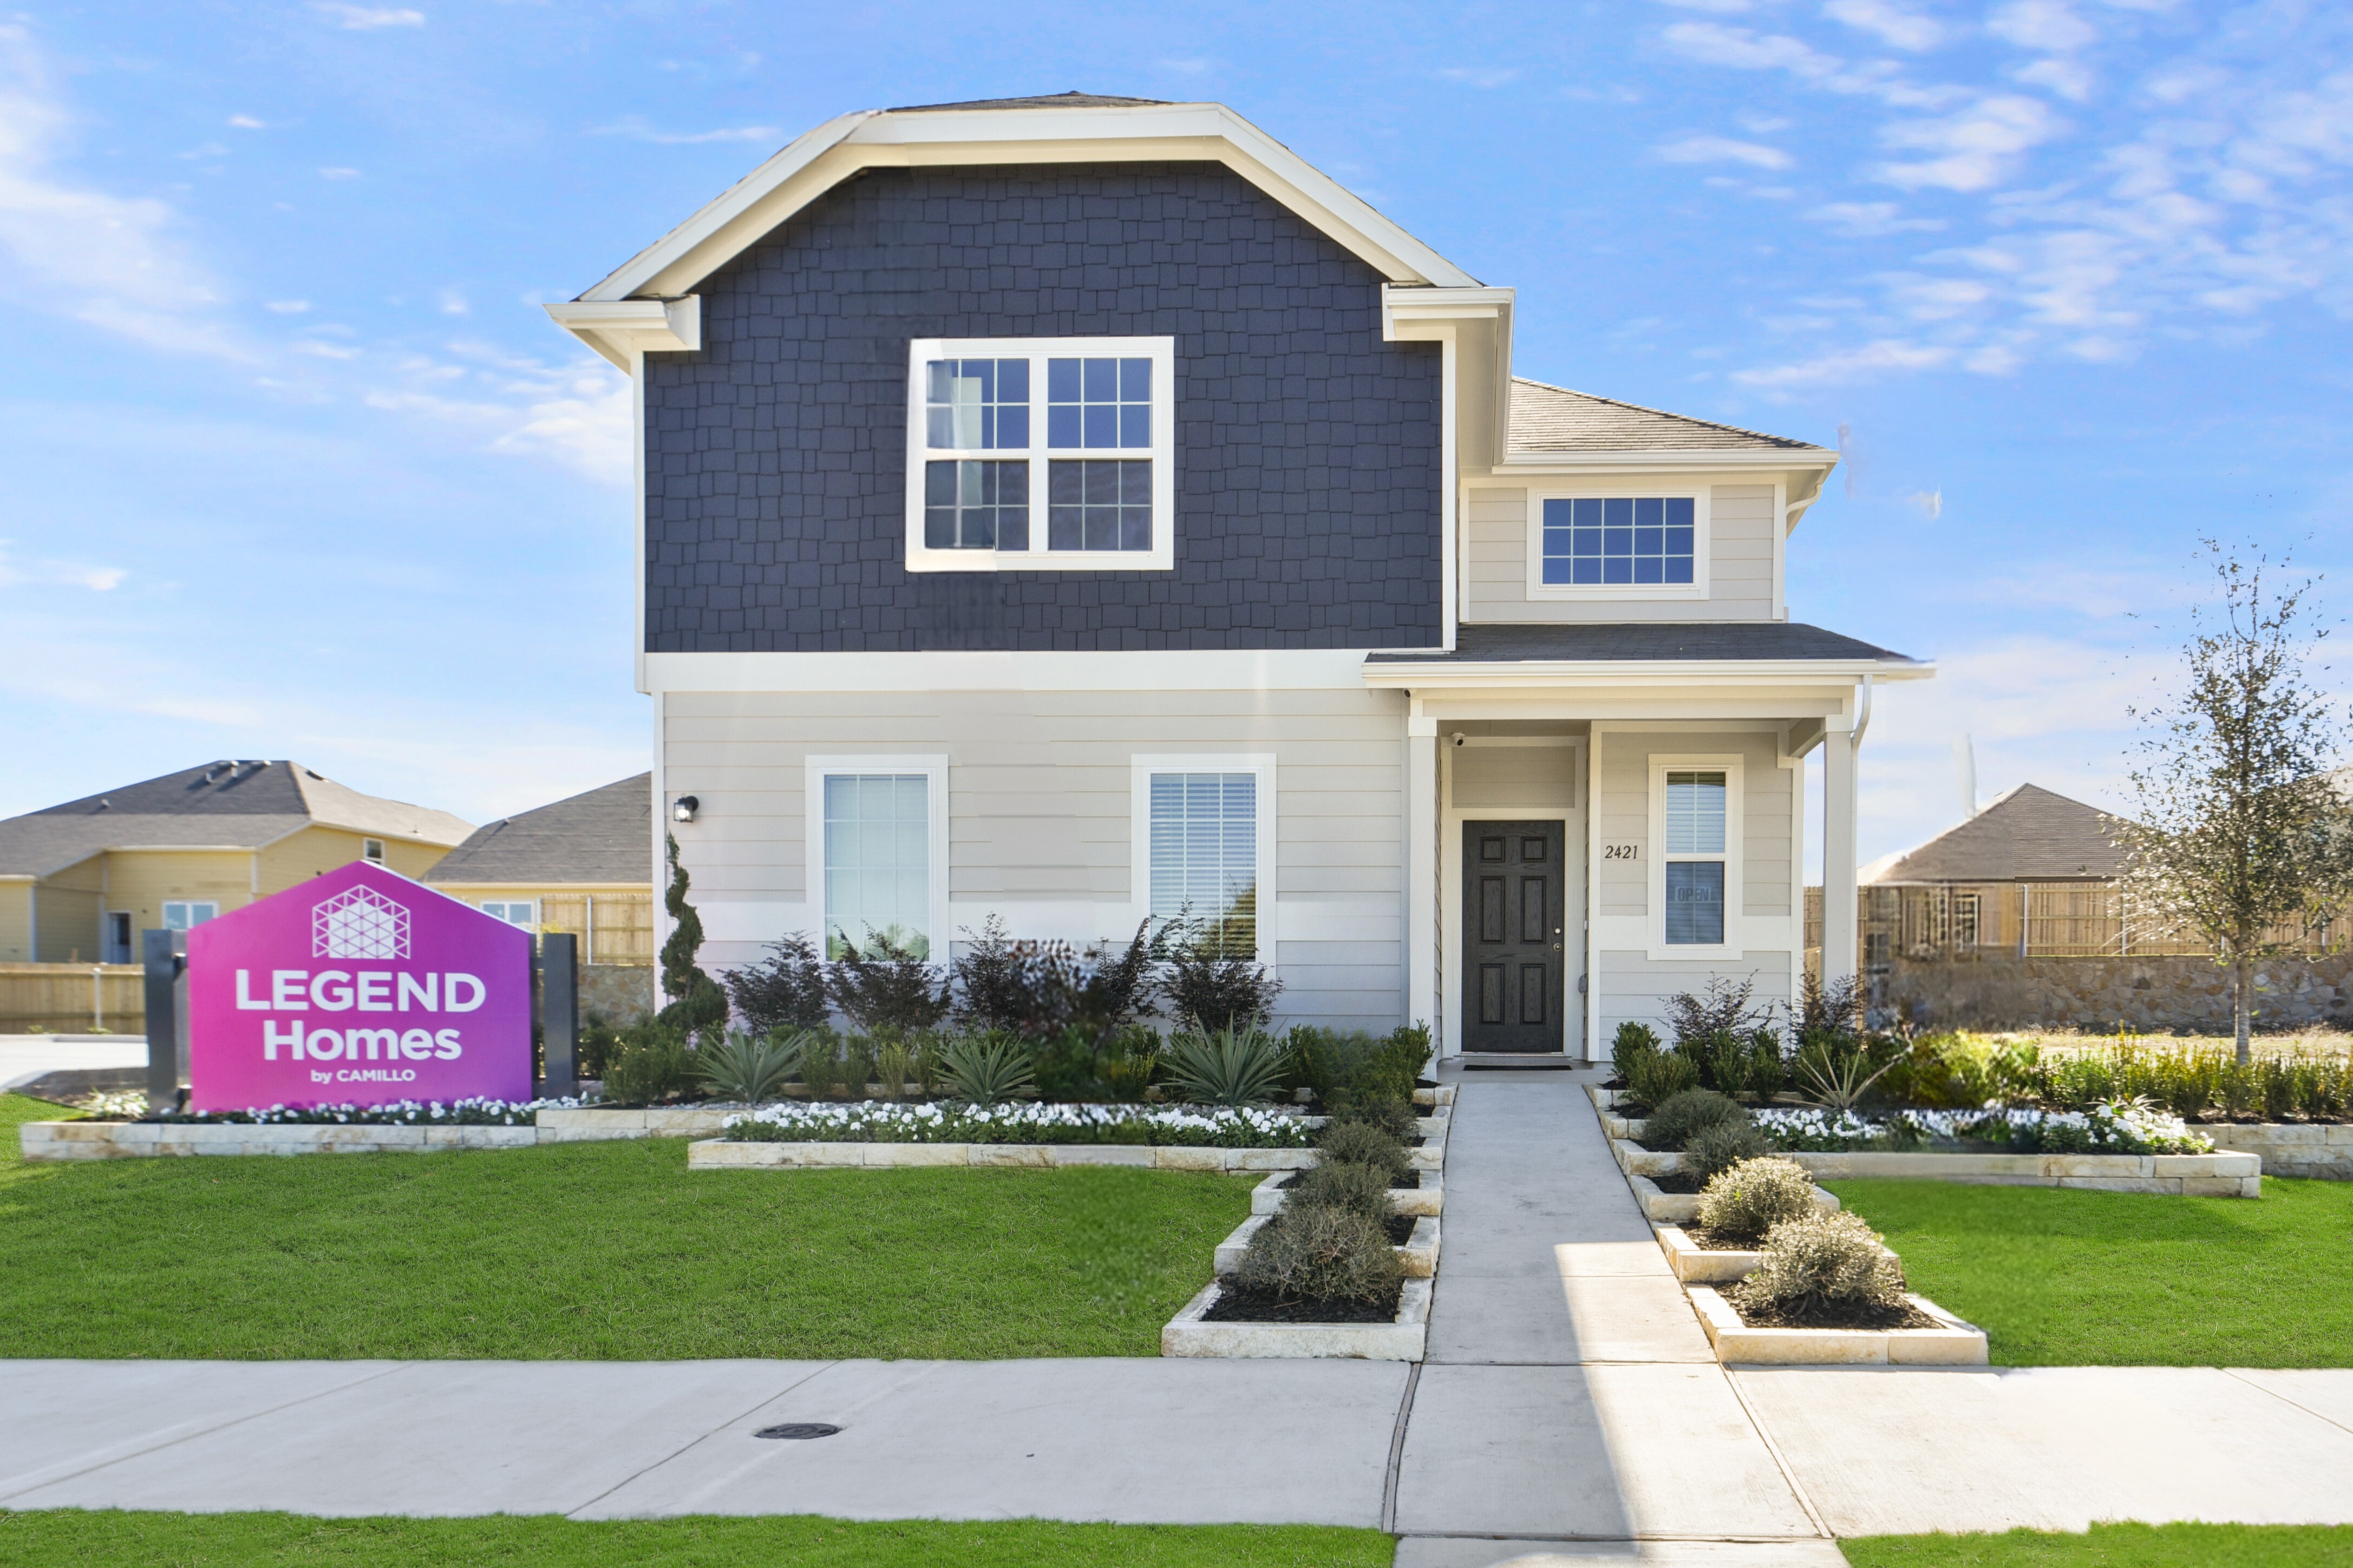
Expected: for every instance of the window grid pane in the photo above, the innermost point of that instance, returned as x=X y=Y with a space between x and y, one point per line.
x=978 y=405
x=1098 y=504
x=1696 y=806
x=1204 y=853
x=1694 y=903
x=976 y=504
x=1627 y=541
x=877 y=861
x=1098 y=403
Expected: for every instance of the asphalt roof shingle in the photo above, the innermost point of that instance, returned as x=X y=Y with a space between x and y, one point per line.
x=603 y=835
x=1621 y=641
x=1071 y=99
x=2028 y=835
x=1546 y=418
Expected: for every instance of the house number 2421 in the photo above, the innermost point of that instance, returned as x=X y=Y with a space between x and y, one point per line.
x=1621 y=852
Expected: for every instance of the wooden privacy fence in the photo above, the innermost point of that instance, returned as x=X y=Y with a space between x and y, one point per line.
x=612 y=928
x=2026 y=920
x=73 y=998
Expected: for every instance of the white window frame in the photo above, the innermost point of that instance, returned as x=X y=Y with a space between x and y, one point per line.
x=372 y=852
x=1702 y=537
x=934 y=768
x=507 y=904
x=1161 y=557
x=1732 y=766
x=1143 y=765
x=191 y=905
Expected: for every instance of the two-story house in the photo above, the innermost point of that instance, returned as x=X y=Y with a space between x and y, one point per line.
x=1077 y=510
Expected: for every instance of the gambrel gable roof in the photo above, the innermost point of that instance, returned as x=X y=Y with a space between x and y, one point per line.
x=2029 y=834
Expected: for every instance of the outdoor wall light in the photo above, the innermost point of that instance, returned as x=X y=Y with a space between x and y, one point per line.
x=684 y=807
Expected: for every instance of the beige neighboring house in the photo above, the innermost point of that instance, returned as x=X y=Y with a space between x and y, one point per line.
x=584 y=865
x=79 y=882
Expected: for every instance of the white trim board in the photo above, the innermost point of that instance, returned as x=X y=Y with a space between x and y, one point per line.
x=1169 y=669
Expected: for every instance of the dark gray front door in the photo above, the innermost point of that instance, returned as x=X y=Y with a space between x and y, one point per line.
x=1514 y=946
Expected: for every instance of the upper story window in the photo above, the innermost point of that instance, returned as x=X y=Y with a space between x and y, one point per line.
x=372 y=852
x=522 y=912
x=1030 y=453
x=188 y=915
x=1617 y=546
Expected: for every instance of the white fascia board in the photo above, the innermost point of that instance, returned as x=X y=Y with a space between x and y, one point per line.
x=841 y=148
x=1171 y=670
x=1820 y=462
x=613 y=328
x=1522 y=674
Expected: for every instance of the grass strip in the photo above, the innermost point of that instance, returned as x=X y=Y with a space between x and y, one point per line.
x=595 y=1251
x=2115 y=1546
x=2065 y=1277
x=89 y=1539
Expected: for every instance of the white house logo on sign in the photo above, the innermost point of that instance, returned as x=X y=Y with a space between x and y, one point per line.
x=361 y=923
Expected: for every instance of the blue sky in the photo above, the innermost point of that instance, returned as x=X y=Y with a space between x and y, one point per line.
x=295 y=465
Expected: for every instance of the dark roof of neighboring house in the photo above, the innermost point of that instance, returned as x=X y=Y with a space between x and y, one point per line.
x=2029 y=834
x=1614 y=642
x=1546 y=418
x=604 y=836
x=220 y=806
x=1071 y=100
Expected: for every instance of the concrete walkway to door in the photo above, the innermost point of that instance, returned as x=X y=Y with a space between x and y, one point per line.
x=1571 y=1405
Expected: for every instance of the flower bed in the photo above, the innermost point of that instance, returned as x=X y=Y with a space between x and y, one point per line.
x=470 y=1112
x=876 y=1122
x=2117 y=1127
x=1951 y=1342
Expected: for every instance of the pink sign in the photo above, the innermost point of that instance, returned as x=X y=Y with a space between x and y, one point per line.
x=358 y=987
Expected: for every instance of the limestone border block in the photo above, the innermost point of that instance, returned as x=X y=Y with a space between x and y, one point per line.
x=1956 y=1343
x=1430 y=1198
x=1404 y=1340
x=1695 y=1265
x=1099 y=1154
x=1179 y=1157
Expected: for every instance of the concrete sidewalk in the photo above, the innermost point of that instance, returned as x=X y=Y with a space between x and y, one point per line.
x=1135 y=1440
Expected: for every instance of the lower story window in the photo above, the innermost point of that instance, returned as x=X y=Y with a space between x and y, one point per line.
x=878 y=868
x=1099 y=504
x=1695 y=903
x=187 y=916
x=1205 y=855
x=976 y=505
x=1694 y=855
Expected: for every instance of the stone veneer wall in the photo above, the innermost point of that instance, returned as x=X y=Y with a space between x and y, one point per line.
x=2101 y=993
x=617 y=993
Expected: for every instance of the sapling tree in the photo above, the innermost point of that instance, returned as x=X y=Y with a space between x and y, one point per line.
x=696 y=1001
x=2240 y=834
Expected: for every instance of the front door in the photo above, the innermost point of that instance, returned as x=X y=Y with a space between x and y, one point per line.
x=1514 y=910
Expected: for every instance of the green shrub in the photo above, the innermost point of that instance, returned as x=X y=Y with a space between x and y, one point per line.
x=1322 y=1254
x=1961 y=1072
x=1659 y=1076
x=650 y=1064
x=1727 y=1143
x=894 y=1064
x=985 y=1068
x=1823 y=1265
x=751 y=1069
x=1232 y=1067
x=1722 y=1060
x=1342 y=1184
x=1747 y=1199
x=1673 y=1124
x=1128 y=1061
x=820 y=1065
x=857 y=1069
x=1632 y=1043
x=1394 y=1070
x=1363 y=1144
x=1769 y=1073
x=1395 y=1118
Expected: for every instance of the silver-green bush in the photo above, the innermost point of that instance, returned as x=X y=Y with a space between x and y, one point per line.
x=1722 y=1146
x=1364 y=1143
x=1821 y=1265
x=1321 y=1254
x=1747 y=1199
x=1342 y=1184
x=1679 y=1120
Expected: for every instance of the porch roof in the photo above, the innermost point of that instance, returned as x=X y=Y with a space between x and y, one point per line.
x=1640 y=642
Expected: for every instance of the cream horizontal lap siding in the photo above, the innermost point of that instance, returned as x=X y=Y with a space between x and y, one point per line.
x=1739 y=563
x=1041 y=809
x=1633 y=981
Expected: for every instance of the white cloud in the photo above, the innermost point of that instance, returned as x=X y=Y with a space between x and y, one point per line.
x=1893 y=25
x=1723 y=150
x=1930 y=503
x=110 y=261
x=1848 y=365
x=1481 y=76
x=339 y=174
x=288 y=307
x=317 y=350
x=246 y=122
x=453 y=303
x=1713 y=7
x=2070 y=79
x=2047 y=26
x=368 y=18
x=58 y=573
x=1871 y=220
x=1973 y=150
x=636 y=128
x=577 y=414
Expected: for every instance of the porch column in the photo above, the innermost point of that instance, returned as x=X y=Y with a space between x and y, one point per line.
x=1421 y=938
x=1839 y=759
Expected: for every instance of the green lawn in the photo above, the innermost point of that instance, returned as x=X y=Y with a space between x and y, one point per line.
x=2060 y=1278
x=594 y=1251
x=15 y=1109
x=2115 y=1546
x=54 y=1539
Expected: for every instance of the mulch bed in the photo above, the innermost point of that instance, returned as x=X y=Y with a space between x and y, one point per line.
x=1709 y=1241
x=1677 y=1182
x=1237 y=1305
x=1758 y=1317
x=1411 y=1179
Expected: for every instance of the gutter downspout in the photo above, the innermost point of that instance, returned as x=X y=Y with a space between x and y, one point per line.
x=1862 y=715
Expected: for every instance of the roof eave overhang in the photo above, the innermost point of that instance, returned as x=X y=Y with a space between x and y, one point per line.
x=622 y=329
x=1405 y=674
x=1810 y=460
x=671 y=268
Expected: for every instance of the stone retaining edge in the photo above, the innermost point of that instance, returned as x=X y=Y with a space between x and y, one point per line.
x=2220 y=1174
x=1405 y=1340
x=1959 y=1343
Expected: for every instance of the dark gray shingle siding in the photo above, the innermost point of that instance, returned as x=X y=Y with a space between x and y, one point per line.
x=1307 y=499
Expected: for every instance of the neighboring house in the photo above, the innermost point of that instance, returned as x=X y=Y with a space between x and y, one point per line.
x=2022 y=875
x=583 y=864
x=79 y=882
x=1079 y=510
